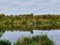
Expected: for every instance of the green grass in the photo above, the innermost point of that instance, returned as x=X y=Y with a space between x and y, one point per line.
x=35 y=40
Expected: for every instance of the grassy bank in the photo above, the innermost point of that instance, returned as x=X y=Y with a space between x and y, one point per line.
x=35 y=40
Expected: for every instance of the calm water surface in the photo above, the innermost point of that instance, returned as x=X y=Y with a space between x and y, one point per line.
x=15 y=35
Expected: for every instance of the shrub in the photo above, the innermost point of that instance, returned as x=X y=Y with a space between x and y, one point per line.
x=5 y=42
x=35 y=40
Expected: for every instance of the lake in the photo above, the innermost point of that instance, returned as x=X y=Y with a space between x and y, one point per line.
x=13 y=36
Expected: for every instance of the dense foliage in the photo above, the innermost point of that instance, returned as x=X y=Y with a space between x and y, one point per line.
x=29 y=22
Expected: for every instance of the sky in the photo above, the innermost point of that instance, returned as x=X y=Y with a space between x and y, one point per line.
x=30 y=6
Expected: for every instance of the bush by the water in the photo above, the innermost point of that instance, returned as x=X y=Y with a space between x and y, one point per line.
x=5 y=42
x=35 y=40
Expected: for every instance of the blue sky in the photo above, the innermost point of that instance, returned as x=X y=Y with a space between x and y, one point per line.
x=30 y=6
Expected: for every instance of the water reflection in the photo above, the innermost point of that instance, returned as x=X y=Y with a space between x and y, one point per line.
x=15 y=35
